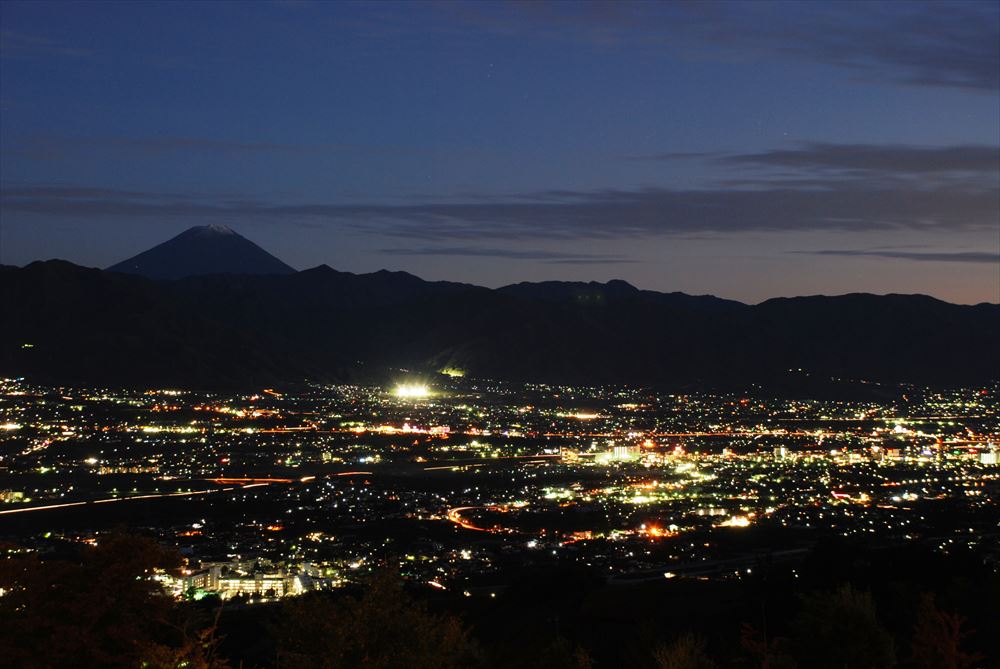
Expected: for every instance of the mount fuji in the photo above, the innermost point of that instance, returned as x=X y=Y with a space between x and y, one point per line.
x=205 y=249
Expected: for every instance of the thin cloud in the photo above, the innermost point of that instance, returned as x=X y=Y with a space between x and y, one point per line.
x=840 y=205
x=51 y=148
x=165 y=144
x=511 y=254
x=941 y=44
x=961 y=256
x=20 y=45
x=881 y=159
x=675 y=155
x=81 y=194
x=950 y=44
x=58 y=147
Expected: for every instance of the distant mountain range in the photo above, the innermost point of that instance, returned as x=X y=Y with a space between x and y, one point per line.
x=267 y=324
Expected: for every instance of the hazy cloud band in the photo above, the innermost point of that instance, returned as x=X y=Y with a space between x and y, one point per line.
x=961 y=256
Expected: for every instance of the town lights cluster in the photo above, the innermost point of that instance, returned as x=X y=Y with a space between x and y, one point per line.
x=318 y=484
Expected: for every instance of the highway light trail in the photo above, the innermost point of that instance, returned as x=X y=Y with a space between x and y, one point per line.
x=181 y=493
x=455 y=516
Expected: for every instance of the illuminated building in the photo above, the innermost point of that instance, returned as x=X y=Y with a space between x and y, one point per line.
x=228 y=581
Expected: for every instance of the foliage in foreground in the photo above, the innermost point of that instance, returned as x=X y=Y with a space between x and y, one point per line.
x=382 y=629
x=100 y=607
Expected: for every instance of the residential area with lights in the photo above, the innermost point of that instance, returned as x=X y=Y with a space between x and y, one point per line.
x=270 y=494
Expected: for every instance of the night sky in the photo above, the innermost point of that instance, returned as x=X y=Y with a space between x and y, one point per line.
x=747 y=150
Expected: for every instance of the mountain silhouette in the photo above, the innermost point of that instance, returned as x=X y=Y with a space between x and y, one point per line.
x=205 y=249
x=69 y=324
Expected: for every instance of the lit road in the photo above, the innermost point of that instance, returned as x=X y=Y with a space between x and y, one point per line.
x=455 y=516
x=111 y=500
x=467 y=463
x=232 y=481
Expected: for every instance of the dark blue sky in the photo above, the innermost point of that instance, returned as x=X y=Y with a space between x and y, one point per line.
x=742 y=149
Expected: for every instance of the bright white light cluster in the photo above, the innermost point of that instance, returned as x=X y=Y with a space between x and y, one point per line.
x=412 y=390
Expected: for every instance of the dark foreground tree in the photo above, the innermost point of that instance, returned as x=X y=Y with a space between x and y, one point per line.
x=685 y=652
x=839 y=630
x=766 y=653
x=938 y=638
x=539 y=651
x=564 y=654
x=384 y=629
x=102 y=609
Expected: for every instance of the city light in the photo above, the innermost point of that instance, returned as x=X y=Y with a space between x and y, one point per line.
x=660 y=492
x=412 y=391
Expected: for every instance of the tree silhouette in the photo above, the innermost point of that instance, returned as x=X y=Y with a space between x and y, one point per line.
x=101 y=610
x=839 y=630
x=197 y=650
x=767 y=653
x=937 y=638
x=541 y=652
x=383 y=629
x=685 y=652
